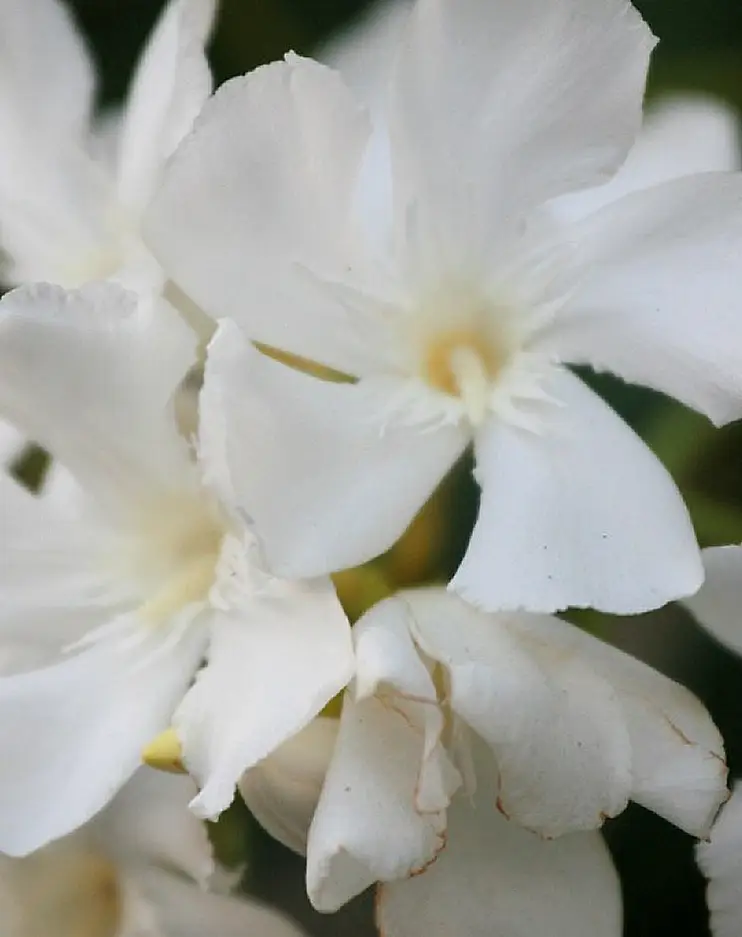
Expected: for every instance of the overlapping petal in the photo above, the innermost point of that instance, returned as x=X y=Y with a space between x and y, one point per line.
x=90 y=375
x=171 y=84
x=72 y=733
x=555 y=726
x=323 y=446
x=494 y=878
x=563 y=519
x=279 y=651
x=258 y=199
x=483 y=92
x=721 y=862
x=659 y=301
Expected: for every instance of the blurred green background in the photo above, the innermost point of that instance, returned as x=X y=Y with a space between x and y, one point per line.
x=700 y=49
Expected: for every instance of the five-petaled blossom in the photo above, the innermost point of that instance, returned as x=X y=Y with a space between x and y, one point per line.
x=456 y=302
x=141 y=868
x=150 y=578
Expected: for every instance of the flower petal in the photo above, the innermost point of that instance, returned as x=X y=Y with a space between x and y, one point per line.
x=677 y=753
x=46 y=74
x=90 y=375
x=279 y=652
x=348 y=488
x=366 y=827
x=682 y=134
x=721 y=862
x=499 y=106
x=555 y=726
x=563 y=516
x=170 y=86
x=283 y=789
x=495 y=878
x=185 y=910
x=72 y=733
x=260 y=194
x=658 y=304
x=718 y=604
x=148 y=822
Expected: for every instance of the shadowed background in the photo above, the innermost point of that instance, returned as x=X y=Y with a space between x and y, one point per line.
x=701 y=49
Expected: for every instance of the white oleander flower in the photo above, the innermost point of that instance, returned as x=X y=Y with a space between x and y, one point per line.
x=460 y=318
x=574 y=727
x=148 y=578
x=71 y=202
x=492 y=876
x=720 y=860
x=141 y=868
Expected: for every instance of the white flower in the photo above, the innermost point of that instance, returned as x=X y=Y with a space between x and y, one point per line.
x=139 y=869
x=69 y=210
x=492 y=876
x=717 y=605
x=574 y=728
x=460 y=318
x=721 y=862
x=145 y=573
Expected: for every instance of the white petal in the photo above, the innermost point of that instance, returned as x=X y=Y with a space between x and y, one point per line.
x=260 y=194
x=366 y=827
x=677 y=753
x=279 y=652
x=72 y=734
x=90 y=376
x=718 y=605
x=348 y=487
x=500 y=106
x=170 y=86
x=721 y=862
x=149 y=822
x=555 y=726
x=682 y=134
x=564 y=514
x=495 y=879
x=184 y=910
x=53 y=582
x=282 y=791
x=12 y=443
x=658 y=304
x=46 y=75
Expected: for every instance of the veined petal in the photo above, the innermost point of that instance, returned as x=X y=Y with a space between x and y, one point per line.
x=721 y=862
x=554 y=725
x=278 y=653
x=563 y=515
x=185 y=910
x=170 y=86
x=90 y=375
x=682 y=134
x=258 y=197
x=148 y=822
x=283 y=789
x=718 y=604
x=72 y=733
x=677 y=753
x=495 y=878
x=366 y=827
x=349 y=487
x=499 y=106
x=659 y=300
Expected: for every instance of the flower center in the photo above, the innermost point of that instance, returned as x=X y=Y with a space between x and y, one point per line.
x=462 y=363
x=180 y=544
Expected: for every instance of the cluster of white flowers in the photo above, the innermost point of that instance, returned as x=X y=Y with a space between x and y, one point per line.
x=370 y=282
